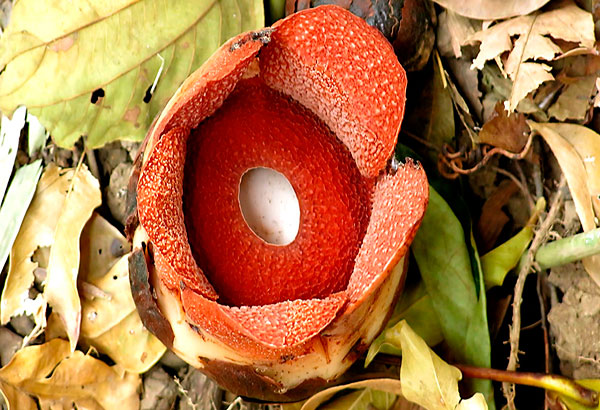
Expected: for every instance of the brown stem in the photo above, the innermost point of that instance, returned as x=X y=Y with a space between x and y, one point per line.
x=560 y=384
x=526 y=268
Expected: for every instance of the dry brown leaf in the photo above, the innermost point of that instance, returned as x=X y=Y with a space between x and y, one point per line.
x=505 y=130
x=587 y=144
x=492 y=218
x=60 y=291
x=37 y=230
x=57 y=378
x=492 y=9
x=534 y=41
x=111 y=324
x=453 y=31
x=527 y=78
x=577 y=174
x=574 y=102
x=568 y=22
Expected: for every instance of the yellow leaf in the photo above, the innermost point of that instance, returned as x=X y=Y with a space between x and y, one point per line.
x=60 y=292
x=37 y=230
x=111 y=324
x=57 y=378
x=101 y=246
x=575 y=148
x=429 y=381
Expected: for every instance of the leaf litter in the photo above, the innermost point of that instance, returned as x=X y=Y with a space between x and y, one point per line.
x=534 y=67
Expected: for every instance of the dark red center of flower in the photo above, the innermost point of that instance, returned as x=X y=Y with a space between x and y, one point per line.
x=259 y=127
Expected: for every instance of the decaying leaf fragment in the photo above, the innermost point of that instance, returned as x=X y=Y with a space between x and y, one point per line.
x=534 y=34
x=56 y=378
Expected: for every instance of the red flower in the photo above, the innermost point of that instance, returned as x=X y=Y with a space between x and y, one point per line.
x=318 y=97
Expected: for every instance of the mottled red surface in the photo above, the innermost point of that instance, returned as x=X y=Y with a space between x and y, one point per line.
x=346 y=72
x=259 y=127
x=160 y=209
x=399 y=202
x=357 y=217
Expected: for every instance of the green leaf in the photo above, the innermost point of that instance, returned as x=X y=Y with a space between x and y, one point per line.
x=445 y=264
x=429 y=381
x=10 y=134
x=126 y=48
x=416 y=308
x=15 y=205
x=367 y=399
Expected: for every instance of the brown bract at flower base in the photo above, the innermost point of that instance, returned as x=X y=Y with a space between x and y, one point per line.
x=319 y=97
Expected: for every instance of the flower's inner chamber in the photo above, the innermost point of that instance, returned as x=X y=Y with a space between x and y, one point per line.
x=269 y=205
x=258 y=127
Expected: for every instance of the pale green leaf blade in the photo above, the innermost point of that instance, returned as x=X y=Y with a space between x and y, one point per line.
x=445 y=265
x=15 y=205
x=138 y=63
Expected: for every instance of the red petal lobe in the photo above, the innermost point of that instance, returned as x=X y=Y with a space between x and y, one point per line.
x=346 y=72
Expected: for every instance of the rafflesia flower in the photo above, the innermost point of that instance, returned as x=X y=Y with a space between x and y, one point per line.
x=318 y=97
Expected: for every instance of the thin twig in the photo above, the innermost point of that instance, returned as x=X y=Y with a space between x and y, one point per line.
x=515 y=329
